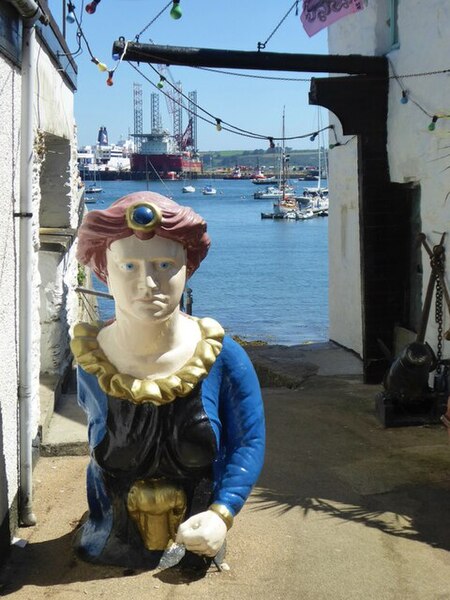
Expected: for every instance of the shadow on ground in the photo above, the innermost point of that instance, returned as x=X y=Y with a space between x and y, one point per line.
x=336 y=459
x=327 y=454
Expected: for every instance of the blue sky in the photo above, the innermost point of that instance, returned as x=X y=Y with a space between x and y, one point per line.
x=251 y=104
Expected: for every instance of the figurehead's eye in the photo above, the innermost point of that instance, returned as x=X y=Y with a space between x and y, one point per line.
x=165 y=265
x=143 y=216
x=128 y=266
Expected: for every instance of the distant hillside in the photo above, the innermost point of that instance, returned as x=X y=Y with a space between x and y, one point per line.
x=252 y=158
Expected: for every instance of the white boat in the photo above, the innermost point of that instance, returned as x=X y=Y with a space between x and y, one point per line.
x=258 y=178
x=273 y=192
x=209 y=190
x=93 y=188
x=305 y=214
x=188 y=189
x=264 y=180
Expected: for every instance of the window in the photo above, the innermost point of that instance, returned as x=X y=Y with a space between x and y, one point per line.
x=393 y=23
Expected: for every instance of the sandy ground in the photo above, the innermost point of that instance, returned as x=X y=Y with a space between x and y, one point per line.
x=343 y=510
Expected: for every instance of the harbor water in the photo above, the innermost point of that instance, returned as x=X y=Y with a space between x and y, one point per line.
x=263 y=279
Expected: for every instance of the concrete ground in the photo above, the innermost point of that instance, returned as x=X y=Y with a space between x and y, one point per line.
x=343 y=510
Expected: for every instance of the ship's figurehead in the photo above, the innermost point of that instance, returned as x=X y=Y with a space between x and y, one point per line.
x=174 y=410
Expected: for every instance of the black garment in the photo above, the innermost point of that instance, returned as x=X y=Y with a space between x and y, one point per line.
x=174 y=441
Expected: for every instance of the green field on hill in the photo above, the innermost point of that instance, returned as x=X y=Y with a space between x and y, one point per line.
x=267 y=159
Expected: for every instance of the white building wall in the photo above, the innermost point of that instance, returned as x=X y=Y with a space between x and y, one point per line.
x=59 y=208
x=415 y=154
x=343 y=246
x=9 y=193
x=52 y=120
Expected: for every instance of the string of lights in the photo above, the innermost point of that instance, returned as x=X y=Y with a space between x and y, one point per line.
x=406 y=95
x=219 y=123
x=102 y=67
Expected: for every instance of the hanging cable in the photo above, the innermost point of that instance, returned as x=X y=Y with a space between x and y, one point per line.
x=262 y=45
x=250 y=76
x=138 y=35
x=223 y=124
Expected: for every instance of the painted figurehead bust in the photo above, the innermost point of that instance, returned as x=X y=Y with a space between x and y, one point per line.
x=174 y=410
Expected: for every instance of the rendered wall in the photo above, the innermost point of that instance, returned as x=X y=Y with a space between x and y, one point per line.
x=9 y=193
x=53 y=113
x=415 y=154
x=58 y=210
x=343 y=245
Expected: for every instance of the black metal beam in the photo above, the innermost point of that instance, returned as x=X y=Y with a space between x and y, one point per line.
x=360 y=103
x=353 y=64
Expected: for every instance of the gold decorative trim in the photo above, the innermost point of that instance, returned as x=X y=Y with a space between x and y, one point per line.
x=157 y=506
x=92 y=359
x=222 y=511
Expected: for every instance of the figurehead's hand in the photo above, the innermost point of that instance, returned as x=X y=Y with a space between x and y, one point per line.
x=203 y=533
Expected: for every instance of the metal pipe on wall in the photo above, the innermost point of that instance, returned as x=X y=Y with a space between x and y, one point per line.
x=27 y=387
x=27 y=9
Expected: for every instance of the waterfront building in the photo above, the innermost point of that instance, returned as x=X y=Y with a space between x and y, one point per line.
x=40 y=210
x=108 y=161
x=378 y=273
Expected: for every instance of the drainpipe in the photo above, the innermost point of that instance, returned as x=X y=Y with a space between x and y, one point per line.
x=30 y=11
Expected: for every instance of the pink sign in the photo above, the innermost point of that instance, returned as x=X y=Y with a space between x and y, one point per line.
x=318 y=14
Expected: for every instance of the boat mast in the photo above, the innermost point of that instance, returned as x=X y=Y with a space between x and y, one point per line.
x=319 y=180
x=283 y=160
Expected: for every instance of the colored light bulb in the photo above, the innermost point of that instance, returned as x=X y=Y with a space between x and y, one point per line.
x=110 y=81
x=101 y=67
x=160 y=83
x=70 y=18
x=92 y=6
x=175 y=11
x=271 y=143
x=116 y=56
x=218 y=125
x=313 y=137
x=432 y=125
x=404 y=98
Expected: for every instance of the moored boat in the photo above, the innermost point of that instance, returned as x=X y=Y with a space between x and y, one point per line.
x=188 y=189
x=209 y=190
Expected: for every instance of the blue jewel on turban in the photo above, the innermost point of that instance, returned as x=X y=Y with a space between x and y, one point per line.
x=143 y=216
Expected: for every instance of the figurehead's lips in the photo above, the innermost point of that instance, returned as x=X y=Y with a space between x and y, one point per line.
x=143 y=216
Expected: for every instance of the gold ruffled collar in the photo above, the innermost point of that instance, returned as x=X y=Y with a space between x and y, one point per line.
x=92 y=359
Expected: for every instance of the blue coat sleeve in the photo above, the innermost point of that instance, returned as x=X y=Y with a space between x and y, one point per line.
x=241 y=453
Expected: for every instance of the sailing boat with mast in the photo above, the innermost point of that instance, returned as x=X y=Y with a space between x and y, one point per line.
x=94 y=188
x=209 y=189
x=316 y=198
x=286 y=205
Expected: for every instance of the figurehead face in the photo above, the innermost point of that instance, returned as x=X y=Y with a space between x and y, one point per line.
x=142 y=215
x=146 y=277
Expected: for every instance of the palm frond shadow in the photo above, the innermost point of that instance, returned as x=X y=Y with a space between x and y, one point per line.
x=387 y=522
x=410 y=512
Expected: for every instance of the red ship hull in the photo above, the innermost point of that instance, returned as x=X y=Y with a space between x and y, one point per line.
x=153 y=166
